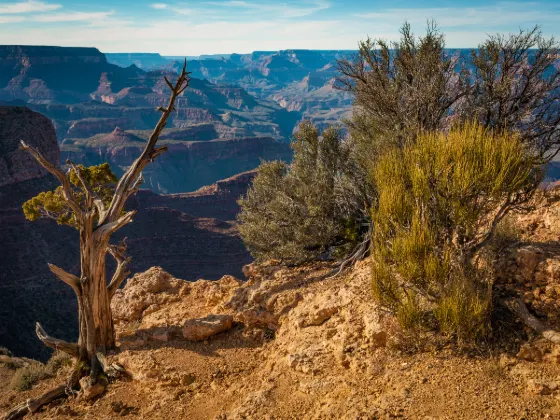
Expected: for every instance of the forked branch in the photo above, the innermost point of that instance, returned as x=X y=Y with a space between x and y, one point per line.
x=122 y=271
x=127 y=182
x=108 y=229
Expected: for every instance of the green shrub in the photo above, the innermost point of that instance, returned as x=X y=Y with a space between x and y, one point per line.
x=403 y=87
x=439 y=200
x=27 y=376
x=297 y=212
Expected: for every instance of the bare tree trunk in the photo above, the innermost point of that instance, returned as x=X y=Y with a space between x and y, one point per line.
x=96 y=223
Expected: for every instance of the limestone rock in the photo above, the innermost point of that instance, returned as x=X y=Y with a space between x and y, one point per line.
x=90 y=390
x=204 y=328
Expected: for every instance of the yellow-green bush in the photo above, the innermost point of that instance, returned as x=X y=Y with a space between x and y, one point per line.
x=439 y=200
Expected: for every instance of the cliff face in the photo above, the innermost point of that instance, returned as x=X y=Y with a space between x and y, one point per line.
x=299 y=81
x=20 y=123
x=191 y=235
x=46 y=74
x=28 y=293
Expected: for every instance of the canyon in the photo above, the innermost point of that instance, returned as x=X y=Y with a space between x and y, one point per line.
x=190 y=234
x=300 y=81
x=218 y=130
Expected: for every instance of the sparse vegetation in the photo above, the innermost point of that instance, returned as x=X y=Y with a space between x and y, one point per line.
x=450 y=146
x=298 y=212
x=24 y=378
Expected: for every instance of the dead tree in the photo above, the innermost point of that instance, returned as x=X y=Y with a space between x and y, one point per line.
x=97 y=222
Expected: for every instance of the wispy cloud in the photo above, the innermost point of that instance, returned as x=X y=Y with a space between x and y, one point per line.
x=11 y=19
x=503 y=13
x=30 y=6
x=191 y=27
x=241 y=9
x=72 y=16
x=284 y=10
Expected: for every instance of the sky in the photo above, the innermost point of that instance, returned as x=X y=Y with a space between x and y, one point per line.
x=194 y=27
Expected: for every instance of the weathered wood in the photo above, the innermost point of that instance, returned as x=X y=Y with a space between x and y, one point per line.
x=70 y=279
x=96 y=223
x=32 y=405
x=122 y=271
x=55 y=343
x=532 y=322
x=122 y=191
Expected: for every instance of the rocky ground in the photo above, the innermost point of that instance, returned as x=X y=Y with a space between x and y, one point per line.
x=297 y=343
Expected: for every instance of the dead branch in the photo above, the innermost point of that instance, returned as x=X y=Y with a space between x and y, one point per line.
x=55 y=343
x=70 y=279
x=32 y=405
x=67 y=191
x=359 y=252
x=136 y=186
x=123 y=189
x=532 y=322
x=109 y=228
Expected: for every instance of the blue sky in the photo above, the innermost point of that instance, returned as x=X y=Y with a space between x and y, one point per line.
x=192 y=27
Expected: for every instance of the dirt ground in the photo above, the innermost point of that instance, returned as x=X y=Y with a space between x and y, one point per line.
x=307 y=346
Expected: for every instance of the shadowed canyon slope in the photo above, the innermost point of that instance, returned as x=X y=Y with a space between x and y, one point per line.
x=191 y=235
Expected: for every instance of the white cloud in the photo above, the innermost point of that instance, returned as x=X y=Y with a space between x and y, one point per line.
x=279 y=10
x=72 y=16
x=11 y=19
x=159 y=6
x=30 y=6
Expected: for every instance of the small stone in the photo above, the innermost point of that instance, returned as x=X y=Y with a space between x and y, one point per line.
x=537 y=387
x=90 y=390
x=529 y=353
x=187 y=379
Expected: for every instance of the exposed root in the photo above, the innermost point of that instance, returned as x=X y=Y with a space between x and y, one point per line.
x=532 y=322
x=357 y=254
x=33 y=405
